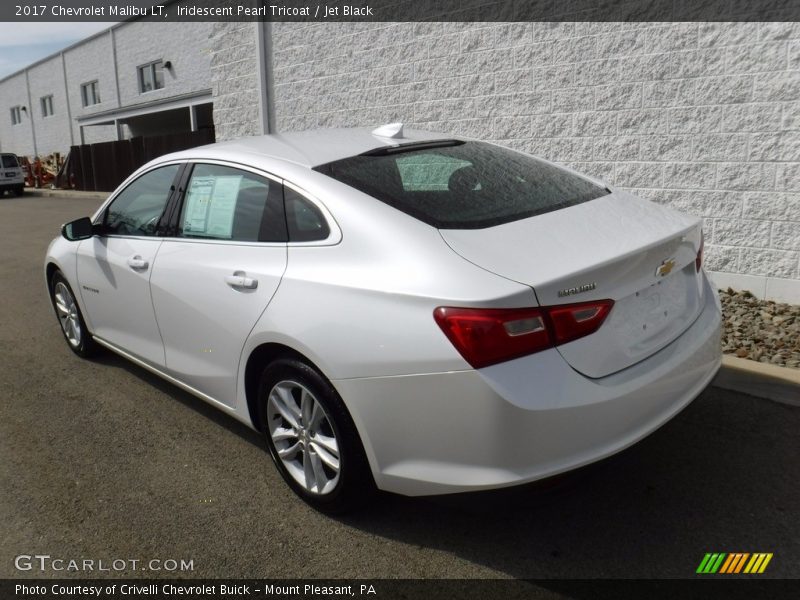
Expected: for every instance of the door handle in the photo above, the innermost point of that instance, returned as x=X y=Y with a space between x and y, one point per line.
x=137 y=262
x=239 y=279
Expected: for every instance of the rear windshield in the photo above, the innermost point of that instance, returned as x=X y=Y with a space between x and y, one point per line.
x=9 y=161
x=463 y=185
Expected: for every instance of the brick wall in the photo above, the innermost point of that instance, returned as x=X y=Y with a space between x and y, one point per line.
x=704 y=117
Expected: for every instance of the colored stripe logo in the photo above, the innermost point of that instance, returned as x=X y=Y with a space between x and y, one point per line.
x=734 y=562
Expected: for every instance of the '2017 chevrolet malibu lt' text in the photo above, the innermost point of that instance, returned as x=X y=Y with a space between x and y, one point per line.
x=397 y=310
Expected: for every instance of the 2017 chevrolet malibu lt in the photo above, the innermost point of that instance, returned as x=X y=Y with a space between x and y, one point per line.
x=397 y=310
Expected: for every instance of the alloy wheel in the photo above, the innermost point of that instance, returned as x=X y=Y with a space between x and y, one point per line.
x=303 y=436
x=68 y=316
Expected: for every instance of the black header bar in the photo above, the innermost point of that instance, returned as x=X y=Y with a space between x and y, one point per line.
x=400 y=10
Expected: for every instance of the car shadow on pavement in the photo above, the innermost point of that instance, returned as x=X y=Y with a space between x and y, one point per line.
x=717 y=478
x=720 y=477
x=109 y=359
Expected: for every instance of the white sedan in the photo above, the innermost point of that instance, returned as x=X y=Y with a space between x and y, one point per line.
x=397 y=310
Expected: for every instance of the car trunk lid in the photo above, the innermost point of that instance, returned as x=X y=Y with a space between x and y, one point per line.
x=639 y=254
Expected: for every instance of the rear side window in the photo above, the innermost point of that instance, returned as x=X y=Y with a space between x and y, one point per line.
x=224 y=203
x=463 y=185
x=9 y=161
x=303 y=218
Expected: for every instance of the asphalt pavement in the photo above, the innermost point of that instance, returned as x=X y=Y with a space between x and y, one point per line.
x=102 y=460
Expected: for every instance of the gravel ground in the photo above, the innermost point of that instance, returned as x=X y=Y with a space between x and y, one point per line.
x=760 y=330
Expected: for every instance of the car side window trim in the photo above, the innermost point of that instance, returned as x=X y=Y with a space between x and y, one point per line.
x=334 y=234
x=101 y=216
x=333 y=238
x=181 y=197
x=168 y=219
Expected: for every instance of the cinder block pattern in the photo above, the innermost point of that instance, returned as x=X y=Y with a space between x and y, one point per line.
x=701 y=116
x=234 y=79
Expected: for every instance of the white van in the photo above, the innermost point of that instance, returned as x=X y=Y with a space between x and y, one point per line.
x=11 y=176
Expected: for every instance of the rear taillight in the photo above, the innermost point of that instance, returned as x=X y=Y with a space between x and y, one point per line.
x=573 y=321
x=698 y=262
x=487 y=336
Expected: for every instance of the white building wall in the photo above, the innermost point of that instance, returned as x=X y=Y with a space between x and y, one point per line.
x=15 y=138
x=704 y=117
x=186 y=45
x=52 y=133
x=93 y=59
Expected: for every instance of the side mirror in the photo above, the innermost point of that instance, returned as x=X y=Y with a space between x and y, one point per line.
x=79 y=229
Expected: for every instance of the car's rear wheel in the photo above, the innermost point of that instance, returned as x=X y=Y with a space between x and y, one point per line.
x=312 y=439
x=70 y=318
x=19 y=190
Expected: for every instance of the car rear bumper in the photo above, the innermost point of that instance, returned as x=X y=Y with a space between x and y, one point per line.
x=525 y=419
x=11 y=183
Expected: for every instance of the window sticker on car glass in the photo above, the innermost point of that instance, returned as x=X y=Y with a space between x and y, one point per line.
x=210 y=206
x=223 y=205
x=198 y=199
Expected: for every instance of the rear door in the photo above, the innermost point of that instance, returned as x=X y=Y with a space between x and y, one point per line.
x=215 y=278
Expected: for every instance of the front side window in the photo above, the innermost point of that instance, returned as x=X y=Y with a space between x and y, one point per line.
x=137 y=210
x=223 y=203
x=462 y=185
x=47 y=105
x=16 y=115
x=90 y=93
x=151 y=77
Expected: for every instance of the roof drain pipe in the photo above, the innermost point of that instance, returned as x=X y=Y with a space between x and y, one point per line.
x=266 y=82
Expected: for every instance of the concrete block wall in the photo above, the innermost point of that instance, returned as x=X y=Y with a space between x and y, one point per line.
x=235 y=65
x=704 y=117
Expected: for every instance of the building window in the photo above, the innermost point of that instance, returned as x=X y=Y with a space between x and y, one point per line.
x=151 y=77
x=16 y=115
x=47 y=106
x=90 y=93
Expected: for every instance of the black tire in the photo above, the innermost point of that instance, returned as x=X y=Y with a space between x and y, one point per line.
x=19 y=191
x=86 y=346
x=355 y=486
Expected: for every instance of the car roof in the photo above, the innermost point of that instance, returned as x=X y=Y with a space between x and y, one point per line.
x=308 y=148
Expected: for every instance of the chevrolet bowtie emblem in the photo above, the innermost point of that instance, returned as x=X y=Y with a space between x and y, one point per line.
x=665 y=268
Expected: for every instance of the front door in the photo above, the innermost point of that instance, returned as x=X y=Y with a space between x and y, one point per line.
x=114 y=268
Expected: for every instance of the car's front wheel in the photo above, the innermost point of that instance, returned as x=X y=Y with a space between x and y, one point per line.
x=70 y=318
x=312 y=439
